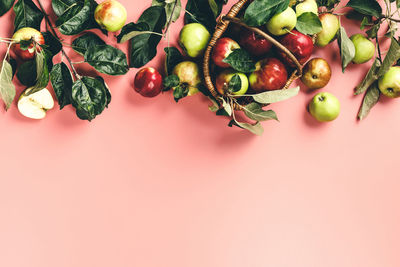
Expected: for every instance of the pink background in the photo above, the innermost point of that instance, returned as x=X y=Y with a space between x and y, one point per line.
x=154 y=183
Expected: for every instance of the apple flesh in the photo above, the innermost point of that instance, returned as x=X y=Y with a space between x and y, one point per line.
x=307 y=6
x=316 y=73
x=330 y=27
x=299 y=44
x=222 y=49
x=193 y=39
x=110 y=15
x=189 y=75
x=35 y=106
x=27 y=34
x=324 y=107
x=254 y=43
x=389 y=84
x=270 y=74
x=283 y=22
x=223 y=79
x=365 y=49
x=148 y=82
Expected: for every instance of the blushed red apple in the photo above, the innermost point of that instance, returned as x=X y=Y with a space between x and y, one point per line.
x=270 y=74
x=254 y=43
x=148 y=82
x=27 y=34
x=299 y=44
x=222 y=49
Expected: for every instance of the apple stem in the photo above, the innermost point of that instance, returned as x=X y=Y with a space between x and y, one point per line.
x=48 y=22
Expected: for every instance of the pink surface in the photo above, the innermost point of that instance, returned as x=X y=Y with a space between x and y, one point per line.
x=152 y=183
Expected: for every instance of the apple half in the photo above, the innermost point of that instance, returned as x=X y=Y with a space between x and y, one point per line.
x=35 y=106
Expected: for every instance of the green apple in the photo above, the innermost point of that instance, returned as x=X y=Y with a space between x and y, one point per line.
x=194 y=38
x=324 y=107
x=110 y=15
x=365 y=49
x=189 y=74
x=307 y=6
x=224 y=79
x=35 y=105
x=283 y=22
x=389 y=84
x=330 y=27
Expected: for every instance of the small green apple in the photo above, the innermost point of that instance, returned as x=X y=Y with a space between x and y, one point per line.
x=110 y=15
x=307 y=6
x=324 y=107
x=330 y=27
x=224 y=79
x=365 y=49
x=194 y=38
x=283 y=22
x=389 y=84
x=35 y=106
x=189 y=74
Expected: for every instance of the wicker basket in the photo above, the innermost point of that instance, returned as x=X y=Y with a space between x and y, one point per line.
x=221 y=27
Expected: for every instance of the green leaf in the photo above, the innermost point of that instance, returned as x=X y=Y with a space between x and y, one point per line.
x=172 y=8
x=260 y=12
x=235 y=84
x=241 y=60
x=60 y=6
x=131 y=30
x=5 y=6
x=180 y=92
x=373 y=31
x=227 y=107
x=53 y=44
x=171 y=81
x=7 y=88
x=27 y=14
x=329 y=4
x=83 y=42
x=77 y=18
x=371 y=98
x=42 y=73
x=108 y=93
x=14 y=65
x=107 y=59
x=347 y=49
x=25 y=44
x=256 y=128
x=202 y=12
x=274 y=96
x=309 y=23
x=370 y=78
x=172 y=58
x=89 y=97
x=392 y=56
x=366 y=7
x=61 y=80
x=27 y=74
x=255 y=112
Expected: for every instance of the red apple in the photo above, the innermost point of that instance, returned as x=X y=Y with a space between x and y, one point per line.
x=299 y=44
x=148 y=82
x=222 y=50
x=270 y=74
x=254 y=43
x=27 y=34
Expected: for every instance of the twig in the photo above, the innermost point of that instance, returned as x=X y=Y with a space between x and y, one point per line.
x=170 y=18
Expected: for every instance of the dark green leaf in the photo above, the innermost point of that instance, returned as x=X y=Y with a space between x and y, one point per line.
x=309 y=23
x=241 y=60
x=60 y=6
x=77 y=18
x=371 y=98
x=392 y=56
x=14 y=65
x=329 y=4
x=347 y=49
x=25 y=44
x=108 y=93
x=172 y=8
x=180 y=92
x=61 y=80
x=172 y=58
x=171 y=81
x=274 y=96
x=202 y=12
x=366 y=7
x=255 y=112
x=107 y=59
x=131 y=30
x=27 y=73
x=5 y=5
x=373 y=31
x=27 y=14
x=42 y=72
x=83 y=42
x=52 y=43
x=235 y=84
x=7 y=88
x=260 y=12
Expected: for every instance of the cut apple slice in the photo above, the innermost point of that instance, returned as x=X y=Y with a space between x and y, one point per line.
x=35 y=105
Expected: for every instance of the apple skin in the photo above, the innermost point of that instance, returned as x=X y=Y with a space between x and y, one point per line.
x=222 y=49
x=389 y=84
x=189 y=74
x=270 y=74
x=225 y=77
x=324 y=107
x=26 y=34
x=316 y=73
x=194 y=38
x=148 y=82
x=283 y=22
x=330 y=27
x=254 y=43
x=307 y=6
x=111 y=15
x=365 y=49
x=299 y=44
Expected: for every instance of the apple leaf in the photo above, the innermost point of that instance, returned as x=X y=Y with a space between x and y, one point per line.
x=227 y=107
x=260 y=12
x=274 y=96
x=347 y=49
x=309 y=23
x=170 y=82
x=172 y=58
x=204 y=12
x=42 y=72
x=329 y=4
x=83 y=42
x=14 y=65
x=60 y=6
x=255 y=112
x=241 y=60
x=180 y=92
x=7 y=88
x=366 y=7
x=52 y=43
x=235 y=84
x=61 y=80
x=5 y=6
x=392 y=56
x=131 y=30
x=256 y=128
x=107 y=59
x=172 y=8
x=77 y=18
x=371 y=98
x=370 y=78
x=27 y=73
x=27 y=14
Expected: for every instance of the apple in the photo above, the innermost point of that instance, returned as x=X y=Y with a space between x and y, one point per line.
x=27 y=34
x=254 y=43
x=307 y=6
x=35 y=106
x=324 y=107
x=330 y=27
x=316 y=73
x=189 y=74
x=365 y=49
x=148 y=82
x=389 y=84
x=299 y=44
x=222 y=49
x=225 y=77
x=270 y=74
x=194 y=38
x=110 y=15
x=283 y=22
